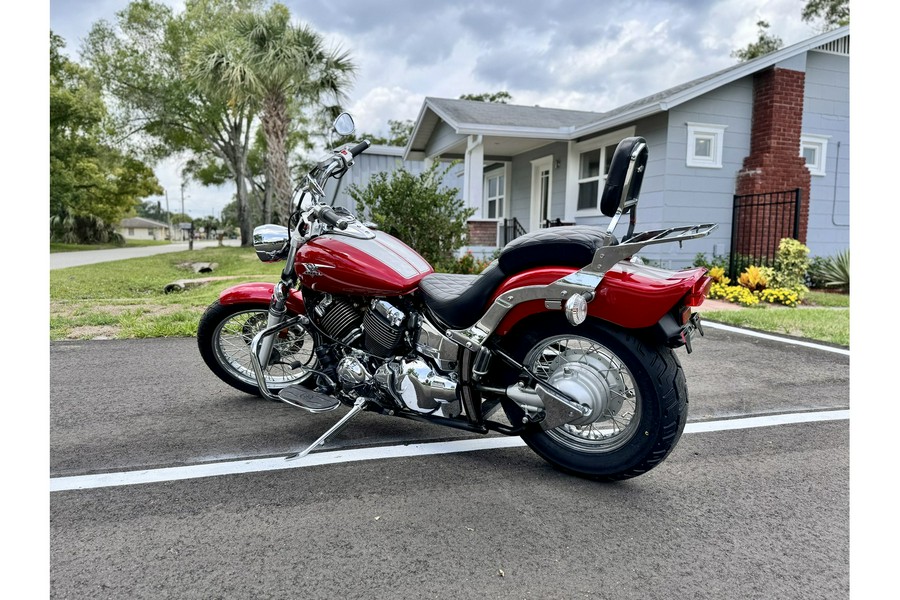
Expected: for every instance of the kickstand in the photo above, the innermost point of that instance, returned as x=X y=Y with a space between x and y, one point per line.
x=357 y=408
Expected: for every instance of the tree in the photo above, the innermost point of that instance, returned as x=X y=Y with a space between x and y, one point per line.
x=496 y=97
x=273 y=65
x=764 y=44
x=416 y=210
x=93 y=184
x=833 y=13
x=141 y=61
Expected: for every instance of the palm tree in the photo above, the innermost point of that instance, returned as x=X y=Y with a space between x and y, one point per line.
x=281 y=68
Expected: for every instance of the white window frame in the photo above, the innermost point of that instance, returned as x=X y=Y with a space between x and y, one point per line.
x=499 y=199
x=716 y=136
x=575 y=154
x=819 y=143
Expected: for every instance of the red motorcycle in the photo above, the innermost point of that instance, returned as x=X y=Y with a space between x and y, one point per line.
x=565 y=340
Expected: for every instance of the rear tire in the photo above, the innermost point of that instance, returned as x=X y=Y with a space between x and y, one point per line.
x=224 y=337
x=636 y=391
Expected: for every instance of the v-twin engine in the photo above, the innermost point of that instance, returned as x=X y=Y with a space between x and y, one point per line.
x=384 y=361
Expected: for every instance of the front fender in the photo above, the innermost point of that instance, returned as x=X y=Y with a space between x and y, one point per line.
x=260 y=292
x=632 y=296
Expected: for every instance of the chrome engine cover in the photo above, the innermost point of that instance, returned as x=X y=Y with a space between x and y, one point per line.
x=415 y=384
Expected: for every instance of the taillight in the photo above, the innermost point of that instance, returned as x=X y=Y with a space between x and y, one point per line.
x=698 y=293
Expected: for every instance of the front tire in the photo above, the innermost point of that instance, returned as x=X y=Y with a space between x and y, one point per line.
x=635 y=390
x=224 y=337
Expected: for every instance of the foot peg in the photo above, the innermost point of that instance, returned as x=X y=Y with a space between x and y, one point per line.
x=357 y=408
x=299 y=396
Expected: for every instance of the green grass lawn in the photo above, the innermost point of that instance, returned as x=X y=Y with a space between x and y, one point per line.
x=822 y=324
x=126 y=298
x=823 y=316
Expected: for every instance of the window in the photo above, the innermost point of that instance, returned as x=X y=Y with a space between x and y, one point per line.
x=131 y=231
x=496 y=194
x=705 y=143
x=593 y=167
x=812 y=149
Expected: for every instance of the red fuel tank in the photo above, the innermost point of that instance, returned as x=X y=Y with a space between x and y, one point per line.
x=360 y=261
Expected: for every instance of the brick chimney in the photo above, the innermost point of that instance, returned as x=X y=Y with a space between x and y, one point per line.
x=775 y=164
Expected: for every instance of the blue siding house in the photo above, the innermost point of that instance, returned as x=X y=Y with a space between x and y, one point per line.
x=778 y=123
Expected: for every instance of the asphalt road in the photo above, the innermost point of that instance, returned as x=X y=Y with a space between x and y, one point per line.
x=747 y=513
x=62 y=260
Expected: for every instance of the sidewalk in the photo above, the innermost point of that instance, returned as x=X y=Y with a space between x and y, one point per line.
x=61 y=260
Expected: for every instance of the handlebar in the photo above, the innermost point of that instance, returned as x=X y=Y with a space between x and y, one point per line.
x=327 y=215
x=359 y=148
x=333 y=166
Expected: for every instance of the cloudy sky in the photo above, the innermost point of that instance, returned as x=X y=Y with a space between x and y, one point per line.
x=554 y=53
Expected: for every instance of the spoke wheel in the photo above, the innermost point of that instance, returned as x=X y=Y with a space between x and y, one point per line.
x=224 y=337
x=633 y=390
x=592 y=374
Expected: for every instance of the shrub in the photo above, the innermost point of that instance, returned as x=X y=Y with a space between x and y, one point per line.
x=717 y=274
x=783 y=296
x=466 y=264
x=732 y=293
x=416 y=210
x=716 y=261
x=833 y=271
x=791 y=264
x=752 y=279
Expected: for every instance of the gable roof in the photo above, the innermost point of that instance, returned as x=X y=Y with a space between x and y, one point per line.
x=141 y=222
x=666 y=99
x=468 y=117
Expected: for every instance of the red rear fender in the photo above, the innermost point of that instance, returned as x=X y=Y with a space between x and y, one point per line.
x=260 y=293
x=630 y=295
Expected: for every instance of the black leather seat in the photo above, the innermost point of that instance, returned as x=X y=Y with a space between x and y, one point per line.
x=459 y=300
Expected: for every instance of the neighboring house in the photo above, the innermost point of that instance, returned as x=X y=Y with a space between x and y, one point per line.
x=775 y=124
x=378 y=159
x=139 y=228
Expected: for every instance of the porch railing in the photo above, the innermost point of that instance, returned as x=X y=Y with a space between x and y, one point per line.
x=510 y=230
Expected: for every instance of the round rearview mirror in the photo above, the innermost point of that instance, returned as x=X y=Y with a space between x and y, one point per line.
x=344 y=124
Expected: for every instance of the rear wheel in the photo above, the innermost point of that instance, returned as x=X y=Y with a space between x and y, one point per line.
x=224 y=337
x=635 y=393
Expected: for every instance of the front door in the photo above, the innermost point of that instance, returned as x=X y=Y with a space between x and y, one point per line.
x=541 y=186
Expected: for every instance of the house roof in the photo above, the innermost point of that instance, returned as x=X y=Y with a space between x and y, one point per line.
x=141 y=222
x=467 y=117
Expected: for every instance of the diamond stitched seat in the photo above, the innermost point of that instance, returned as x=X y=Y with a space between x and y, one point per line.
x=459 y=300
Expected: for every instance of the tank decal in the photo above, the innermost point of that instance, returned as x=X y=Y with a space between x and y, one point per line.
x=392 y=253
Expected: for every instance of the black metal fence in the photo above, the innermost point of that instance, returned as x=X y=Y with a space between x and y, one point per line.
x=759 y=223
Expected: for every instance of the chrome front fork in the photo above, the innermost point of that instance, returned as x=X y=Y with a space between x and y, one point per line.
x=261 y=350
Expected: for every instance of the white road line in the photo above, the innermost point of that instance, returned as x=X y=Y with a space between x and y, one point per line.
x=82 y=482
x=775 y=338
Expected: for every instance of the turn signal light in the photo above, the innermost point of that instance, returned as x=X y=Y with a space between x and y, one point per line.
x=698 y=293
x=576 y=309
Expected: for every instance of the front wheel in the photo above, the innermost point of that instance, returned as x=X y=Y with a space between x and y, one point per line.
x=224 y=337
x=635 y=392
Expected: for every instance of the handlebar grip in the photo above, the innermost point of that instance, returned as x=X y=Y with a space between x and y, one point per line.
x=359 y=148
x=331 y=218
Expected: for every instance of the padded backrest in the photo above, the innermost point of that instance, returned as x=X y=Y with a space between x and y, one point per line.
x=617 y=178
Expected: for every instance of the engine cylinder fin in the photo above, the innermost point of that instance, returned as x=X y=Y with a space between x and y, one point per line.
x=341 y=317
